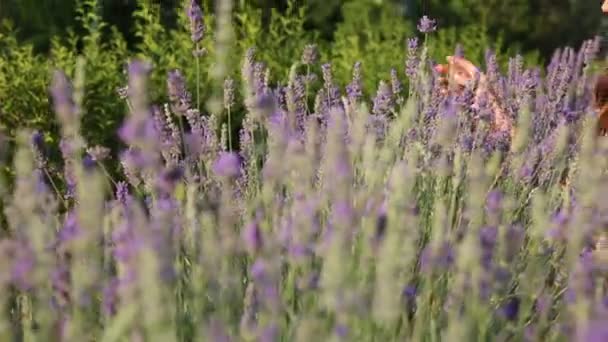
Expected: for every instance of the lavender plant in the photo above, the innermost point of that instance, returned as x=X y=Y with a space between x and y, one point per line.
x=393 y=217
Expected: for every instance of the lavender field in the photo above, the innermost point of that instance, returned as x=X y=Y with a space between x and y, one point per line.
x=330 y=216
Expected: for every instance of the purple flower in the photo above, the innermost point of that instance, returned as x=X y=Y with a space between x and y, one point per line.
x=559 y=224
x=61 y=91
x=259 y=271
x=178 y=93
x=270 y=333
x=439 y=259
x=138 y=68
x=20 y=257
x=395 y=83
x=197 y=25
x=228 y=165
x=494 y=201
x=217 y=332
x=510 y=309
x=88 y=162
x=410 y=292
x=341 y=330
x=596 y=330
x=169 y=178
x=98 y=153
x=427 y=25
x=69 y=231
x=412 y=62
x=122 y=192
x=310 y=55
x=38 y=140
x=354 y=89
x=137 y=131
x=383 y=102
x=252 y=237
x=330 y=93
x=110 y=297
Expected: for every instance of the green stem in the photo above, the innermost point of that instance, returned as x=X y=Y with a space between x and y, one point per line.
x=198 y=79
x=229 y=130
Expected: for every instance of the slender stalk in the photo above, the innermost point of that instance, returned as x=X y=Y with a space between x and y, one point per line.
x=198 y=79
x=229 y=130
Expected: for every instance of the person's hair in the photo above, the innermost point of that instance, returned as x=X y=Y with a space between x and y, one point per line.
x=601 y=103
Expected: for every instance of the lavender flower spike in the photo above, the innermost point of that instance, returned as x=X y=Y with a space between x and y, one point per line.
x=227 y=165
x=427 y=25
x=197 y=25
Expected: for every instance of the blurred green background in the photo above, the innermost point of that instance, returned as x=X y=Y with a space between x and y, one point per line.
x=541 y=25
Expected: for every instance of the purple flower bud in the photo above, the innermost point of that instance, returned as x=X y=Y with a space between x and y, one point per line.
x=354 y=89
x=228 y=165
x=427 y=25
x=252 y=237
x=61 y=91
x=169 y=177
x=122 y=192
x=510 y=309
x=383 y=102
x=38 y=140
x=197 y=24
x=412 y=62
x=138 y=68
x=176 y=85
x=494 y=201
x=110 y=297
x=395 y=83
x=341 y=330
x=88 y=162
x=259 y=271
x=98 y=153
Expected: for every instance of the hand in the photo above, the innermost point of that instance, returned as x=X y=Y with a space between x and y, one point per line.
x=605 y=6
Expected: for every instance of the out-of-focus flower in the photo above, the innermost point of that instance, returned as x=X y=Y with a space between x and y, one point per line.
x=412 y=61
x=98 y=153
x=395 y=83
x=383 y=102
x=427 y=25
x=310 y=55
x=510 y=309
x=252 y=237
x=197 y=24
x=354 y=90
x=228 y=93
x=228 y=165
